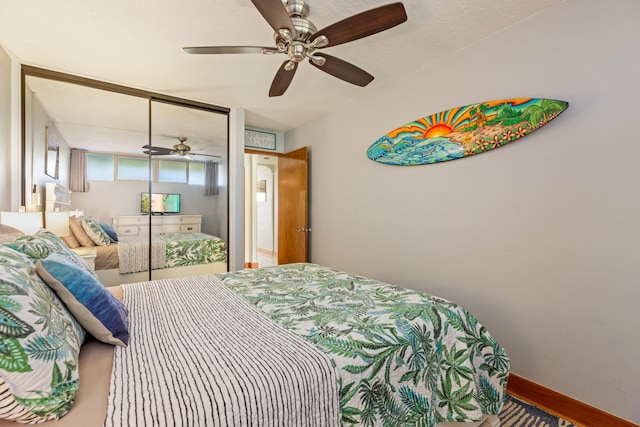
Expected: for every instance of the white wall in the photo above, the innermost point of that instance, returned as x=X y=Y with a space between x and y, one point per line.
x=10 y=142
x=539 y=238
x=5 y=131
x=36 y=147
x=236 y=188
x=265 y=211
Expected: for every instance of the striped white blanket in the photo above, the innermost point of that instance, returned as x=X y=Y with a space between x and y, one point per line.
x=133 y=254
x=199 y=355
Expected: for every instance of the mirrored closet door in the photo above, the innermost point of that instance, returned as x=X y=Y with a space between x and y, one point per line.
x=189 y=192
x=150 y=170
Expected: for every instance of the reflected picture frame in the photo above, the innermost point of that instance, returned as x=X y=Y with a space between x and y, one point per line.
x=52 y=153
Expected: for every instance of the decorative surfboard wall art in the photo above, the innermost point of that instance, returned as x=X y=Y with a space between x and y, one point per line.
x=464 y=131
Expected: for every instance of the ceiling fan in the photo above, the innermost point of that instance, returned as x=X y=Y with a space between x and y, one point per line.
x=180 y=149
x=299 y=39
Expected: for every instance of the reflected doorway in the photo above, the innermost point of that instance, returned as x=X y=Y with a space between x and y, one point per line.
x=261 y=210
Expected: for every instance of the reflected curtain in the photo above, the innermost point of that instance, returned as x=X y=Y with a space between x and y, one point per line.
x=211 y=179
x=78 y=176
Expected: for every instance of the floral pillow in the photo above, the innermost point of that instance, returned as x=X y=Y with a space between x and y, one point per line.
x=39 y=345
x=42 y=243
x=95 y=232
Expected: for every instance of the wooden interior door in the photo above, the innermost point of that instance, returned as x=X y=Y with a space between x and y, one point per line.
x=293 y=207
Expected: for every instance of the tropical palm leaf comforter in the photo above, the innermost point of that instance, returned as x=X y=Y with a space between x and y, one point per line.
x=169 y=250
x=402 y=357
x=192 y=248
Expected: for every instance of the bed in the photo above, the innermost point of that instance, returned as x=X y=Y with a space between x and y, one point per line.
x=125 y=259
x=299 y=344
x=173 y=255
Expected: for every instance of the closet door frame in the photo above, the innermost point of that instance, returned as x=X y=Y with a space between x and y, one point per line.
x=31 y=71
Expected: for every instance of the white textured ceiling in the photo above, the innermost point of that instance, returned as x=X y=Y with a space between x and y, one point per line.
x=139 y=43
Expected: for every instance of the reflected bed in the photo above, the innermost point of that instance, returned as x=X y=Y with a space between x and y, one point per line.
x=173 y=255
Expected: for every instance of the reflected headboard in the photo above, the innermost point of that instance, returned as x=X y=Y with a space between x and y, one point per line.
x=58 y=198
x=27 y=222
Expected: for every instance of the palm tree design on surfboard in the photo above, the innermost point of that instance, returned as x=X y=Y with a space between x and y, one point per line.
x=464 y=131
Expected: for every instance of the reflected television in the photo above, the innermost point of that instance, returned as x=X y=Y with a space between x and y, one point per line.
x=160 y=203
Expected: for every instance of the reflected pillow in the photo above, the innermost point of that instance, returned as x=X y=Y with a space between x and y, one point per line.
x=75 y=224
x=71 y=241
x=109 y=230
x=40 y=345
x=8 y=233
x=97 y=310
x=95 y=232
x=43 y=243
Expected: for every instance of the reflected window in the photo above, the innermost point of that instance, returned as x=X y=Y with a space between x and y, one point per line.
x=133 y=168
x=196 y=174
x=100 y=167
x=169 y=171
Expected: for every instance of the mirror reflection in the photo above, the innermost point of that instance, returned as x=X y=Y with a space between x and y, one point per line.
x=144 y=182
x=51 y=155
x=188 y=202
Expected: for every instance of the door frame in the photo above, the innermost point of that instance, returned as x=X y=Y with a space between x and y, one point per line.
x=276 y=207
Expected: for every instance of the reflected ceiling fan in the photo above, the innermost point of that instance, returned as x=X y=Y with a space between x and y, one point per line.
x=180 y=149
x=298 y=38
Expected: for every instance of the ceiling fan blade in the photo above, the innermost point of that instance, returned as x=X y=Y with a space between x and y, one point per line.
x=205 y=155
x=363 y=24
x=158 y=149
x=274 y=12
x=283 y=78
x=343 y=70
x=229 y=49
x=156 y=153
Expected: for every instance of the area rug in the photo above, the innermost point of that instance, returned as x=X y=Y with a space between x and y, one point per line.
x=516 y=413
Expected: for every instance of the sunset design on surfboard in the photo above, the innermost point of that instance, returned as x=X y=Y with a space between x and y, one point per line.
x=464 y=131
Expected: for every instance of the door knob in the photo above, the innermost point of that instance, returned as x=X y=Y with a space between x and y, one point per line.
x=303 y=230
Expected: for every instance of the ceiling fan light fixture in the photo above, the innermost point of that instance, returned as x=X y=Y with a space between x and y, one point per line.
x=284 y=34
x=291 y=65
x=297 y=52
x=319 y=42
x=317 y=60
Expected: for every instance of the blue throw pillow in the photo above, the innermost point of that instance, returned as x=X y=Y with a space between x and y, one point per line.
x=109 y=230
x=95 y=308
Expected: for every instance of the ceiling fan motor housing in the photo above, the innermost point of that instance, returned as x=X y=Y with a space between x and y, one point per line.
x=296 y=8
x=181 y=149
x=297 y=48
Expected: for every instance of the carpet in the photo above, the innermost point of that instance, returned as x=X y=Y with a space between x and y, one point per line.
x=516 y=413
